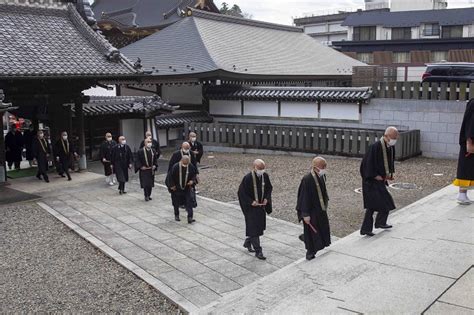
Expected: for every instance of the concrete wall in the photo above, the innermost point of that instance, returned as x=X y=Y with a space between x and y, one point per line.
x=438 y=121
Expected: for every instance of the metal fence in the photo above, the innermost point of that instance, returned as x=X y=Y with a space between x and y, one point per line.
x=444 y=91
x=321 y=140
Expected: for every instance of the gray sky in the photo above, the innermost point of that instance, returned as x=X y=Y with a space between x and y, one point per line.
x=282 y=11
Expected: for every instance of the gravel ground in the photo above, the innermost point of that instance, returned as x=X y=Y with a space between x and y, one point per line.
x=221 y=180
x=45 y=267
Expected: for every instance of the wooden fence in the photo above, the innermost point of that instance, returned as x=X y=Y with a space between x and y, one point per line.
x=444 y=91
x=333 y=141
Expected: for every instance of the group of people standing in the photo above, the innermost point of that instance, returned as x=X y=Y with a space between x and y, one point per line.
x=40 y=151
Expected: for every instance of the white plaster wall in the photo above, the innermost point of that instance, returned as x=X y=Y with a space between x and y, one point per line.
x=223 y=107
x=343 y=111
x=182 y=94
x=299 y=109
x=257 y=108
x=174 y=134
x=162 y=137
x=132 y=129
x=315 y=28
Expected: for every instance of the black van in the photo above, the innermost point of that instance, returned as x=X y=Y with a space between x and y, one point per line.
x=449 y=72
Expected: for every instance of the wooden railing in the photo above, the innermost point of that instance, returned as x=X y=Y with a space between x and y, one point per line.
x=445 y=91
x=319 y=140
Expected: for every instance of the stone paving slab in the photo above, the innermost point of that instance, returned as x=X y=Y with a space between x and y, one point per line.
x=400 y=271
x=193 y=265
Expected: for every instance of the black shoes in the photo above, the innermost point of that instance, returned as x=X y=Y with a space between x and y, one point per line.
x=147 y=198
x=366 y=233
x=46 y=179
x=39 y=177
x=191 y=220
x=176 y=218
x=122 y=192
x=259 y=255
x=301 y=237
x=248 y=246
x=310 y=256
x=386 y=226
x=62 y=175
x=69 y=178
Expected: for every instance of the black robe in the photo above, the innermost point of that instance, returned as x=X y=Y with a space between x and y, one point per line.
x=180 y=196
x=147 y=177
x=154 y=145
x=176 y=158
x=121 y=159
x=13 y=146
x=197 y=146
x=375 y=193
x=466 y=163
x=255 y=217
x=309 y=205
x=41 y=154
x=65 y=151
x=105 y=152
x=28 y=137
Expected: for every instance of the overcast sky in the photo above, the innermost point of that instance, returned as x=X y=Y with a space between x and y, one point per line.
x=282 y=11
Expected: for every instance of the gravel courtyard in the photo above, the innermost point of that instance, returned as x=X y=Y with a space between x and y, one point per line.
x=221 y=180
x=47 y=268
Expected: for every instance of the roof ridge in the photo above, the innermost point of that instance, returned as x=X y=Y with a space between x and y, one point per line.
x=96 y=39
x=238 y=20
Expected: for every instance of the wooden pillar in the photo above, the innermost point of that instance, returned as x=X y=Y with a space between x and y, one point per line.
x=80 y=131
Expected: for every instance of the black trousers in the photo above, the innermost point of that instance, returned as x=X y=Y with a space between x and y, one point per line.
x=63 y=169
x=380 y=219
x=255 y=242
x=121 y=186
x=147 y=191
x=17 y=164
x=40 y=173
x=189 y=210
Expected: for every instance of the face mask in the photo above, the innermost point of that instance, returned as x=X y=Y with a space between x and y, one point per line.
x=260 y=172
x=193 y=139
x=185 y=151
x=148 y=145
x=109 y=138
x=64 y=137
x=124 y=141
x=322 y=172
x=392 y=142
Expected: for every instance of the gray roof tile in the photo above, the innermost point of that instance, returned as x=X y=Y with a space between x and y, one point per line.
x=179 y=119
x=54 y=42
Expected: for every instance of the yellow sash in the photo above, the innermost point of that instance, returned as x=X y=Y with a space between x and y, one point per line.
x=324 y=206
x=255 y=191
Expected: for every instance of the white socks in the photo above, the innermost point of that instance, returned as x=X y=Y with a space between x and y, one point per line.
x=463 y=199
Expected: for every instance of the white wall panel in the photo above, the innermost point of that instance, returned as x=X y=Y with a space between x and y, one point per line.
x=223 y=107
x=346 y=111
x=264 y=108
x=299 y=109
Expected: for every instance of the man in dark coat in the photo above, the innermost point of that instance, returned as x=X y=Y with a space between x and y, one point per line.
x=122 y=159
x=377 y=168
x=312 y=207
x=28 y=138
x=178 y=155
x=196 y=147
x=255 y=199
x=155 y=145
x=65 y=153
x=13 y=147
x=146 y=165
x=180 y=182
x=465 y=174
x=106 y=158
x=41 y=151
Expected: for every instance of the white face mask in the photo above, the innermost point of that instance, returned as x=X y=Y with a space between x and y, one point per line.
x=109 y=138
x=322 y=172
x=259 y=172
x=392 y=142
x=193 y=139
x=148 y=145
x=64 y=137
x=124 y=141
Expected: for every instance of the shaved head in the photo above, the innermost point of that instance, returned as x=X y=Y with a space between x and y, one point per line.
x=391 y=132
x=121 y=138
x=108 y=134
x=192 y=134
x=185 y=160
x=148 y=134
x=185 y=146
x=64 y=133
x=319 y=162
x=259 y=164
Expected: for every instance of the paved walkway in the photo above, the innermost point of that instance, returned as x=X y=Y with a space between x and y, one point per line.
x=193 y=265
x=422 y=265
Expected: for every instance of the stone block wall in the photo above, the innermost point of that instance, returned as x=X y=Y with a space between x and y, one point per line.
x=438 y=121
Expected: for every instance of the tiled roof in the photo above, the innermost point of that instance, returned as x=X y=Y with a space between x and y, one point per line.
x=130 y=14
x=113 y=105
x=179 y=119
x=291 y=93
x=47 y=41
x=462 y=16
x=207 y=44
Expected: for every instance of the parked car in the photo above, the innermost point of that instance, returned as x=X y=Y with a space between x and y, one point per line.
x=449 y=72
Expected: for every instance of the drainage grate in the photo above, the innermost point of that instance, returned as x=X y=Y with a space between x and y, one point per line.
x=403 y=186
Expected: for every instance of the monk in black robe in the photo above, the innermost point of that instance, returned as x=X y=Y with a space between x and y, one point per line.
x=180 y=182
x=13 y=147
x=28 y=138
x=255 y=199
x=41 y=151
x=105 y=154
x=196 y=147
x=177 y=156
x=312 y=208
x=122 y=159
x=146 y=165
x=155 y=145
x=465 y=174
x=376 y=169
x=65 y=153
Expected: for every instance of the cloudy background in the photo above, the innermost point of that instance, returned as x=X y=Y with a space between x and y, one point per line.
x=283 y=11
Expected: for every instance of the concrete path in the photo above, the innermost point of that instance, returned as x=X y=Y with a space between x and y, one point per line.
x=193 y=265
x=422 y=265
